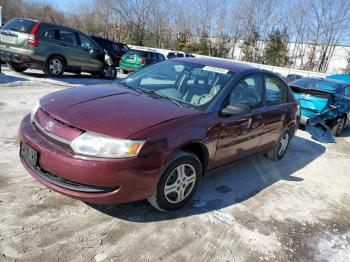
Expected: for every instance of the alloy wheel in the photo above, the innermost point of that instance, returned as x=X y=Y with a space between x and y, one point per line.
x=180 y=183
x=55 y=66
x=283 y=144
x=108 y=72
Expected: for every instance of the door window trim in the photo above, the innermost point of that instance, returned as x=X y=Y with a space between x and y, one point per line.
x=265 y=90
x=226 y=101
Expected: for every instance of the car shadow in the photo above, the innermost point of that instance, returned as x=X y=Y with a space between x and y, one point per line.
x=5 y=79
x=236 y=183
x=346 y=132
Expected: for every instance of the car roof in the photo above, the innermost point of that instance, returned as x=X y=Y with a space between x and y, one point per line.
x=146 y=51
x=221 y=63
x=329 y=80
x=341 y=77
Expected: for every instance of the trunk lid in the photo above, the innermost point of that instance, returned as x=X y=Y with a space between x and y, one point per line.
x=312 y=101
x=134 y=57
x=15 y=33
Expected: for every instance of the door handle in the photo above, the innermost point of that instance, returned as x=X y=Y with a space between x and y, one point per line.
x=63 y=44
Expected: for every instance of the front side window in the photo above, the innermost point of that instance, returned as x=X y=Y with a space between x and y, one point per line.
x=68 y=37
x=188 y=83
x=276 y=90
x=161 y=57
x=248 y=92
x=85 y=42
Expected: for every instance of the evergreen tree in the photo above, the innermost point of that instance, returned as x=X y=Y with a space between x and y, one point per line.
x=249 y=47
x=276 y=51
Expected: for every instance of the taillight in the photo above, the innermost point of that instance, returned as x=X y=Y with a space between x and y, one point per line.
x=143 y=61
x=33 y=36
x=121 y=58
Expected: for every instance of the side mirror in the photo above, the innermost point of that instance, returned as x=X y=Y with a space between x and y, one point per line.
x=237 y=109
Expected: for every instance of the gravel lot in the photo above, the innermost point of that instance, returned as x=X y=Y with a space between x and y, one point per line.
x=297 y=209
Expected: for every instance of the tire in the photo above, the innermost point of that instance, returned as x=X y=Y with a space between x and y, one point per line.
x=16 y=67
x=181 y=189
x=54 y=66
x=281 y=146
x=108 y=72
x=338 y=126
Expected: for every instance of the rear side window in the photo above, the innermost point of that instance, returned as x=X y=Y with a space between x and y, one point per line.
x=276 y=90
x=19 y=25
x=51 y=34
x=154 y=56
x=68 y=37
x=248 y=91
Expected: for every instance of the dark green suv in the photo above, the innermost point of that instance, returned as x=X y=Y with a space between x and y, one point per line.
x=53 y=48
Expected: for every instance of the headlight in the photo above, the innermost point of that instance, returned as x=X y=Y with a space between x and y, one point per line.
x=102 y=146
x=35 y=108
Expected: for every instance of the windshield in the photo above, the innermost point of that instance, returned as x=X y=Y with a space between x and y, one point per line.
x=137 y=52
x=186 y=82
x=316 y=84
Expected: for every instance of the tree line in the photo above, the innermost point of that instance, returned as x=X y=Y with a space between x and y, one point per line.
x=296 y=33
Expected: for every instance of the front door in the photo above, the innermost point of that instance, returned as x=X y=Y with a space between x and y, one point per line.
x=240 y=134
x=90 y=57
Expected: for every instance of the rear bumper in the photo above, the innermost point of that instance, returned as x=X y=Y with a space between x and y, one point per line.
x=19 y=58
x=129 y=69
x=91 y=179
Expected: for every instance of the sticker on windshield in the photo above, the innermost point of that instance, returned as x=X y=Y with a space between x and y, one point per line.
x=216 y=69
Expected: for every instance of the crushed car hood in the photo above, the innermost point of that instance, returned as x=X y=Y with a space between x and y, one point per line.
x=110 y=110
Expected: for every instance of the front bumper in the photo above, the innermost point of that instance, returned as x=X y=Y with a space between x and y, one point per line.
x=115 y=180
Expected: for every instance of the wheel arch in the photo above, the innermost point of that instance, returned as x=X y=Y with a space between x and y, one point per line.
x=56 y=54
x=200 y=150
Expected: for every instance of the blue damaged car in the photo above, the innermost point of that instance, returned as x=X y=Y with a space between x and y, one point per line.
x=323 y=99
x=341 y=77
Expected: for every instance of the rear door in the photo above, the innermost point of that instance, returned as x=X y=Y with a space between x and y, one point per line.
x=240 y=134
x=67 y=45
x=275 y=110
x=14 y=35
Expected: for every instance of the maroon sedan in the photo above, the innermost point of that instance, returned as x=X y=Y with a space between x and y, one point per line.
x=157 y=132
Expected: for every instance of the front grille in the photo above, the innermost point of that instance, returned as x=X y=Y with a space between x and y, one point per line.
x=54 y=129
x=67 y=184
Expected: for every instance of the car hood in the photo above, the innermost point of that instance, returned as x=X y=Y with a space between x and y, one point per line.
x=110 y=110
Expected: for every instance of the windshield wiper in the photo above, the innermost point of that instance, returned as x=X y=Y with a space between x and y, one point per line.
x=152 y=92
x=132 y=88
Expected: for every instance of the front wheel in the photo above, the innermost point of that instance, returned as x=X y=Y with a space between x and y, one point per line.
x=178 y=182
x=109 y=72
x=281 y=147
x=16 y=67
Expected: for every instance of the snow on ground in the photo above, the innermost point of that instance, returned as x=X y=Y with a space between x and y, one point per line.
x=296 y=209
